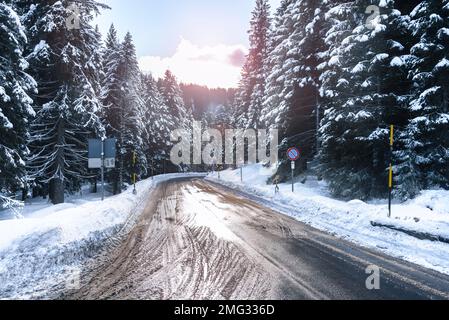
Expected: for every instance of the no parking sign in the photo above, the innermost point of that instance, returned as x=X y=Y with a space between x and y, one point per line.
x=293 y=154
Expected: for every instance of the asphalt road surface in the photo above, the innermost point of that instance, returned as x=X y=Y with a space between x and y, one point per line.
x=198 y=240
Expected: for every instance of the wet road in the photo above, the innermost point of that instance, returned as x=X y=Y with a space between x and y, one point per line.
x=198 y=240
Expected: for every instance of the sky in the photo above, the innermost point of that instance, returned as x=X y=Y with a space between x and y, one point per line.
x=200 y=41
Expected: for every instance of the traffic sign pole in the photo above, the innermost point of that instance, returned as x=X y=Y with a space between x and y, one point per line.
x=293 y=176
x=101 y=155
x=293 y=154
x=134 y=169
x=102 y=169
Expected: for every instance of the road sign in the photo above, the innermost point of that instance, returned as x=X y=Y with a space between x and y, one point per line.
x=110 y=153
x=293 y=154
x=109 y=163
x=102 y=155
x=95 y=153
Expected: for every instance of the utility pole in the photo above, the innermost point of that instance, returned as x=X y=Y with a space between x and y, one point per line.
x=390 y=173
x=134 y=169
x=102 y=169
x=317 y=110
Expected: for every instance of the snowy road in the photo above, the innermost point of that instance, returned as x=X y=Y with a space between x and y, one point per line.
x=198 y=240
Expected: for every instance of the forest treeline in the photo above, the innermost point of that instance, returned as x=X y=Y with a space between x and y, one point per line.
x=332 y=76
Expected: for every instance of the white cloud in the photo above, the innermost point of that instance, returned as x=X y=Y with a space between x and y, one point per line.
x=214 y=66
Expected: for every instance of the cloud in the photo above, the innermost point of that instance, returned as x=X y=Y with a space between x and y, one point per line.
x=214 y=66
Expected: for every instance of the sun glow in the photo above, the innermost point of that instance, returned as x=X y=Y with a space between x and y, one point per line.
x=212 y=66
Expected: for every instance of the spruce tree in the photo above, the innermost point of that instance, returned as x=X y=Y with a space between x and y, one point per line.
x=292 y=96
x=130 y=126
x=424 y=163
x=65 y=63
x=364 y=91
x=181 y=115
x=251 y=89
x=16 y=110
x=158 y=127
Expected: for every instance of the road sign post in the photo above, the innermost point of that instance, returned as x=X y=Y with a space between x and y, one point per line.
x=134 y=173
x=102 y=169
x=102 y=154
x=293 y=154
x=293 y=175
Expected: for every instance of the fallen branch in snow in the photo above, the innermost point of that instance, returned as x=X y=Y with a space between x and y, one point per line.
x=13 y=205
x=416 y=234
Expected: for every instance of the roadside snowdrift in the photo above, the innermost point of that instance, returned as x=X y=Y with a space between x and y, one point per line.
x=312 y=204
x=41 y=253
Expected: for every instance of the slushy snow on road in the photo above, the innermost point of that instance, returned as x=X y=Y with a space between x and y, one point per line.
x=351 y=220
x=41 y=254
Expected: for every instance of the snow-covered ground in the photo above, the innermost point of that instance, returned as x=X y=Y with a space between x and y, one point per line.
x=312 y=204
x=44 y=252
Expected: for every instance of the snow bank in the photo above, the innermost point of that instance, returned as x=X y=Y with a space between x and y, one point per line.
x=312 y=204
x=39 y=253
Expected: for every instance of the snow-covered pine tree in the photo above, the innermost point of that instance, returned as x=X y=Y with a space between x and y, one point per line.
x=278 y=46
x=251 y=89
x=242 y=98
x=425 y=160
x=65 y=63
x=180 y=114
x=130 y=124
x=365 y=90
x=292 y=97
x=15 y=105
x=173 y=98
x=111 y=94
x=258 y=37
x=110 y=83
x=158 y=128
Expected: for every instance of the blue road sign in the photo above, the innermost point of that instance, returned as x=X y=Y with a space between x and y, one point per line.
x=96 y=158
x=94 y=149
x=110 y=148
x=293 y=154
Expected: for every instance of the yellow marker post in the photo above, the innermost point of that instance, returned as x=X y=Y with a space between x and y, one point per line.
x=392 y=135
x=390 y=173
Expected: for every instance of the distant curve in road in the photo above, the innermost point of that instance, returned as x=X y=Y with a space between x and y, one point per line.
x=199 y=240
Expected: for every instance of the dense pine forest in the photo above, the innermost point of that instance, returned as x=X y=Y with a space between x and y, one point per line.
x=332 y=76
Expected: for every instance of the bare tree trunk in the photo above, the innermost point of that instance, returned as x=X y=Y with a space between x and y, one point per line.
x=24 y=193
x=57 y=183
x=58 y=191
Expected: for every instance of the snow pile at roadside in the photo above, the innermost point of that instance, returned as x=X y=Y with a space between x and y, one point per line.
x=312 y=204
x=429 y=214
x=39 y=254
